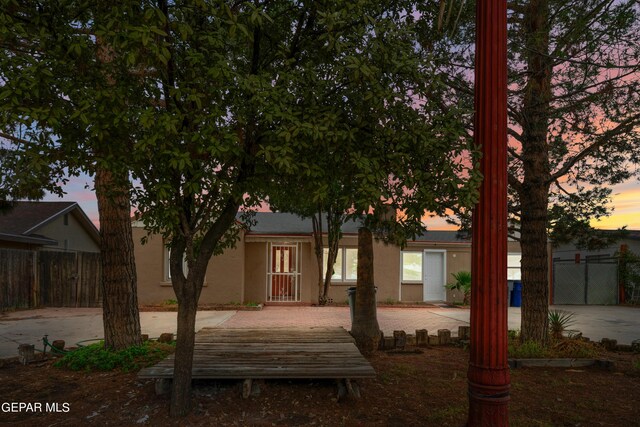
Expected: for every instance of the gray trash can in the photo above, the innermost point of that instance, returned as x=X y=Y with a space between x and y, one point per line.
x=351 y=296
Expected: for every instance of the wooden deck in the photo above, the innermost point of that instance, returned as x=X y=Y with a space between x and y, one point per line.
x=262 y=353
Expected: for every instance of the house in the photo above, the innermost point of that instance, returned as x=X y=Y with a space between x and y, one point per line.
x=274 y=262
x=54 y=226
x=49 y=256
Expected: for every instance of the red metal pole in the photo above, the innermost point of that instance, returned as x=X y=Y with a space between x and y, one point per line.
x=488 y=374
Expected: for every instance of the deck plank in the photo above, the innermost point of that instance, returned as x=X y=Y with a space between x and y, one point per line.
x=270 y=353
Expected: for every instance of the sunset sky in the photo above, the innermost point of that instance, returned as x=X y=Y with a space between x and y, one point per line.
x=626 y=202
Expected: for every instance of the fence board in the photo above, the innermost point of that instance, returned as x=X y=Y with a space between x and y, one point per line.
x=30 y=279
x=17 y=278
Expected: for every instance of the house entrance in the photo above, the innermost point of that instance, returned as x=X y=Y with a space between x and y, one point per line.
x=283 y=273
x=433 y=275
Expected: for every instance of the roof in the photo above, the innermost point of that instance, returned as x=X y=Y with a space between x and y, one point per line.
x=280 y=223
x=21 y=222
x=287 y=224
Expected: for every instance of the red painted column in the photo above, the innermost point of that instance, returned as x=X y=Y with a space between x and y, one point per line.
x=488 y=374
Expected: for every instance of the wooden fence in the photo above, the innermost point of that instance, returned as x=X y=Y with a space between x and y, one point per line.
x=31 y=279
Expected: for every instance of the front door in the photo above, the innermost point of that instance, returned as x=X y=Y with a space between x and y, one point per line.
x=433 y=275
x=283 y=273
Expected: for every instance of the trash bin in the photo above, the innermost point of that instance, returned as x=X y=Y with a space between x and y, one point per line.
x=351 y=295
x=516 y=294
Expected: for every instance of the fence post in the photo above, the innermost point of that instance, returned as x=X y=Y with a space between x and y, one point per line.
x=622 y=266
x=586 y=280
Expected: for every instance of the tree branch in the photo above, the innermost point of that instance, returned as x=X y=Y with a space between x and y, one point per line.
x=14 y=138
x=625 y=126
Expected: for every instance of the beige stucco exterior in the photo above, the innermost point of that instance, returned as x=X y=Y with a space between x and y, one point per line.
x=224 y=281
x=240 y=274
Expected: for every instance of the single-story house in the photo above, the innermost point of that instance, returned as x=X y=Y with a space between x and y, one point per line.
x=54 y=226
x=274 y=262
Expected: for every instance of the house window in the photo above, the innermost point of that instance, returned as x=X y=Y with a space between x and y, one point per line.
x=411 y=267
x=65 y=219
x=167 y=269
x=346 y=267
x=513 y=266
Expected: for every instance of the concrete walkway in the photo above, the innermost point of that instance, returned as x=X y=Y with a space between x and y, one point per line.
x=596 y=322
x=77 y=324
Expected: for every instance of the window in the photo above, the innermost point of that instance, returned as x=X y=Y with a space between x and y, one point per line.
x=411 y=266
x=167 y=269
x=65 y=219
x=346 y=267
x=513 y=266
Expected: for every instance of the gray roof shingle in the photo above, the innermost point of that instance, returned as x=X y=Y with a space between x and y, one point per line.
x=287 y=224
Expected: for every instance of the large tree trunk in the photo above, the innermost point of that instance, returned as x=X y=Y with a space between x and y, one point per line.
x=534 y=194
x=365 y=327
x=119 y=293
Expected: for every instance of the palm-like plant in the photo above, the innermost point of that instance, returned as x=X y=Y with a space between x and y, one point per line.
x=463 y=284
x=559 y=321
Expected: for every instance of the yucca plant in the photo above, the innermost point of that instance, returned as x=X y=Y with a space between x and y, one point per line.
x=559 y=322
x=462 y=284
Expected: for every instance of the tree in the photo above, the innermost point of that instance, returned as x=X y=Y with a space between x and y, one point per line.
x=65 y=99
x=243 y=95
x=323 y=198
x=574 y=116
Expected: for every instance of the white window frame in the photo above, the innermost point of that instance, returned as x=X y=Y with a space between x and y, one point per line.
x=417 y=252
x=342 y=253
x=514 y=268
x=167 y=266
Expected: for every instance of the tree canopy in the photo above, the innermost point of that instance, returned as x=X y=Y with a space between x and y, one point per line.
x=574 y=116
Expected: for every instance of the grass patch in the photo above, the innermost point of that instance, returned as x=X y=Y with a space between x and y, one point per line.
x=94 y=357
x=527 y=350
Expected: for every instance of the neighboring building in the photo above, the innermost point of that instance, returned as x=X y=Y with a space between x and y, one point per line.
x=274 y=262
x=569 y=250
x=55 y=226
x=583 y=276
x=49 y=256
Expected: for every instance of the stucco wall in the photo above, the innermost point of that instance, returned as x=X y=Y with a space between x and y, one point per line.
x=71 y=237
x=224 y=279
x=255 y=271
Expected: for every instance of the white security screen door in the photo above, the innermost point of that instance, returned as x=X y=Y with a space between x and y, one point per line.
x=283 y=273
x=433 y=275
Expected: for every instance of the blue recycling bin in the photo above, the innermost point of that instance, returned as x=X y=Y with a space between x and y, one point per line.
x=516 y=294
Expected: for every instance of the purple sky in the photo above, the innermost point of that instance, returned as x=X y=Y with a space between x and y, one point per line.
x=626 y=202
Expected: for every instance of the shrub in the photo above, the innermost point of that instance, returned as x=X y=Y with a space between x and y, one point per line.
x=527 y=350
x=462 y=284
x=95 y=357
x=559 y=322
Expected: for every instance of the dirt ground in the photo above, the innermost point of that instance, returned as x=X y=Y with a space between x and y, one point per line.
x=427 y=389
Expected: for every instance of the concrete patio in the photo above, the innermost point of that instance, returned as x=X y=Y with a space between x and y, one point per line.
x=78 y=324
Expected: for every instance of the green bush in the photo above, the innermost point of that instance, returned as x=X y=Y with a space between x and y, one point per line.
x=559 y=322
x=527 y=350
x=95 y=357
x=462 y=284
